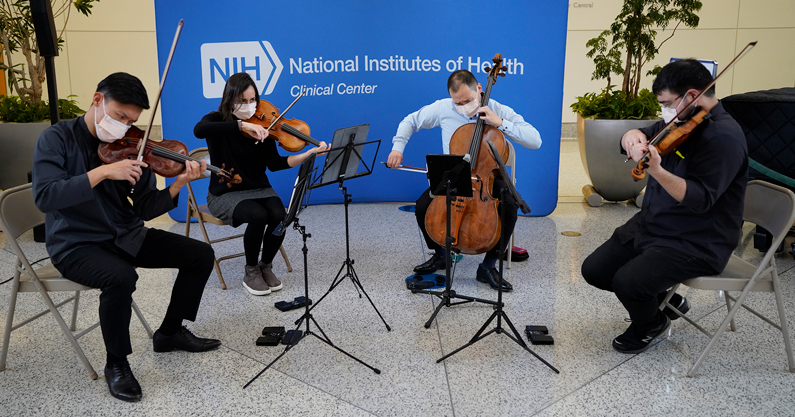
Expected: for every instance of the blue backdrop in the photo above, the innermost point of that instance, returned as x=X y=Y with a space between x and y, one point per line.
x=368 y=62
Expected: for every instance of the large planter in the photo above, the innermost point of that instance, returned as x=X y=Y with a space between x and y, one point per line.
x=17 y=141
x=600 y=150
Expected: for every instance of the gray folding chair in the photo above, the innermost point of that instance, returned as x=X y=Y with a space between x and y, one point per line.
x=511 y=163
x=202 y=214
x=773 y=208
x=18 y=214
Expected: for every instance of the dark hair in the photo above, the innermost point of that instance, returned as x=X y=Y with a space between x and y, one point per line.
x=682 y=75
x=460 y=77
x=124 y=88
x=236 y=85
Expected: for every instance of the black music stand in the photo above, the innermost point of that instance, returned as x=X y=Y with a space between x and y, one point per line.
x=499 y=313
x=297 y=203
x=449 y=174
x=342 y=164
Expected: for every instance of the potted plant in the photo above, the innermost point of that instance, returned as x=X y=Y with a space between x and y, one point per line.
x=603 y=117
x=21 y=112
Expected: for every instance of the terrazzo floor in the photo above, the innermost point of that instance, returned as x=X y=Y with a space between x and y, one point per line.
x=745 y=375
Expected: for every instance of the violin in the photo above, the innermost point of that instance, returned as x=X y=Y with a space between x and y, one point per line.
x=475 y=221
x=166 y=158
x=672 y=136
x=292 y=134
x=670 y=139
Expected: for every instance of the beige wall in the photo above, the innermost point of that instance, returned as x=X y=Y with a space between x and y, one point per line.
x=117 y=36
x=726 y=26
x=120 y=36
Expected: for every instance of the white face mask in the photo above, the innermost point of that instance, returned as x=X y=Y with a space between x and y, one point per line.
x=245 y=111
x=469 y=109
x=109 y=129
x=670 y=114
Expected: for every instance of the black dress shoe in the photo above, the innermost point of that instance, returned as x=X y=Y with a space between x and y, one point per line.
x=432 y=265
x=121 y=382
x=492 y=277
x=680 y=303
x=183 y=339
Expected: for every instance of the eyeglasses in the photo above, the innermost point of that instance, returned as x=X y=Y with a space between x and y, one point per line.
x=670 y=103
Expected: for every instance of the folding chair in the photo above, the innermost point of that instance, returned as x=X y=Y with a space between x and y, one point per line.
x=511 y=163
x=773 y=208
x=18 y=214
x=202 y=214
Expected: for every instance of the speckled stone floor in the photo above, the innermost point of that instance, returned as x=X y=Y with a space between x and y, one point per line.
x=745 y=375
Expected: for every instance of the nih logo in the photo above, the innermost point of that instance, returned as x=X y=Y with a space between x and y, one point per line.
x=221 y=60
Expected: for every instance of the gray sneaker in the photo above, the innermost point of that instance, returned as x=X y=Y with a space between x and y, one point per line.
x=253 y=281
x=270 y=278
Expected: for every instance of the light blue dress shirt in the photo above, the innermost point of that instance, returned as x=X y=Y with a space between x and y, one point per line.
x=442 y=113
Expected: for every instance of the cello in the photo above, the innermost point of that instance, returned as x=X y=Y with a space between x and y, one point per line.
x=475 y=221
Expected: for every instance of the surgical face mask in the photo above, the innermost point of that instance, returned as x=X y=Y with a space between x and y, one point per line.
x=469 y=109
x=109 y=129
x=669 y=114
x=245 y=111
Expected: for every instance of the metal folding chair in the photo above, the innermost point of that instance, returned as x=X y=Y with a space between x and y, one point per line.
x=773 y=208
x=202 y=214
x=18 y=214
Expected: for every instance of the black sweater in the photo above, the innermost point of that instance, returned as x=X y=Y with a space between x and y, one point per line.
x=230 y=150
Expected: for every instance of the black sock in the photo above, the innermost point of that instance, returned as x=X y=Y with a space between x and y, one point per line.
x=441 y=252
x=116 y=359
x=170 y=326
x=489 y=261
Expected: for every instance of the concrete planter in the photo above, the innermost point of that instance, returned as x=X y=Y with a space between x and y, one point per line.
x=600 y=150
x=17 y=141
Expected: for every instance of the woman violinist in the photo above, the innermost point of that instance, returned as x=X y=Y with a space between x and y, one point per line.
x=461 y=108
x=253 y=201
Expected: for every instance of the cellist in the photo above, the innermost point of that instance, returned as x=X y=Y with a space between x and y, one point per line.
x=692 y=211
x=461 y=108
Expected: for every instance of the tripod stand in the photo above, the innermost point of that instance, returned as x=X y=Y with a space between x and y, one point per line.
x=298 y=335
x=341 y=165
x=301 y=186
x=499 y=313
x=452 y=182
x=347 y=266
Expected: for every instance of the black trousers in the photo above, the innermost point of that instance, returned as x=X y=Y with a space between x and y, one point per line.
x=112 y=270
x=509 y=220
x=262 y=216
x=638 y=277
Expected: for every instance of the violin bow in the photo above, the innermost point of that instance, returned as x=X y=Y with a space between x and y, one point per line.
x=142 y=143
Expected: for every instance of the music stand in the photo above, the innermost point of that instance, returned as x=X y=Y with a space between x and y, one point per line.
x=499 y=313
x=449 y=175
x=342 y=164
x=302 y=183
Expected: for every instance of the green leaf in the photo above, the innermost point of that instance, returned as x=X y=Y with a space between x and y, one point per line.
x=14 y=109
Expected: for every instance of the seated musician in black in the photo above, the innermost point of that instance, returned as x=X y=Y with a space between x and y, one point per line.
x=461 y=108
x=692 y=211
x=95 y=236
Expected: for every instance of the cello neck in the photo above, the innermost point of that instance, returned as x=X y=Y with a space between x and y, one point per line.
x=477 y=134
